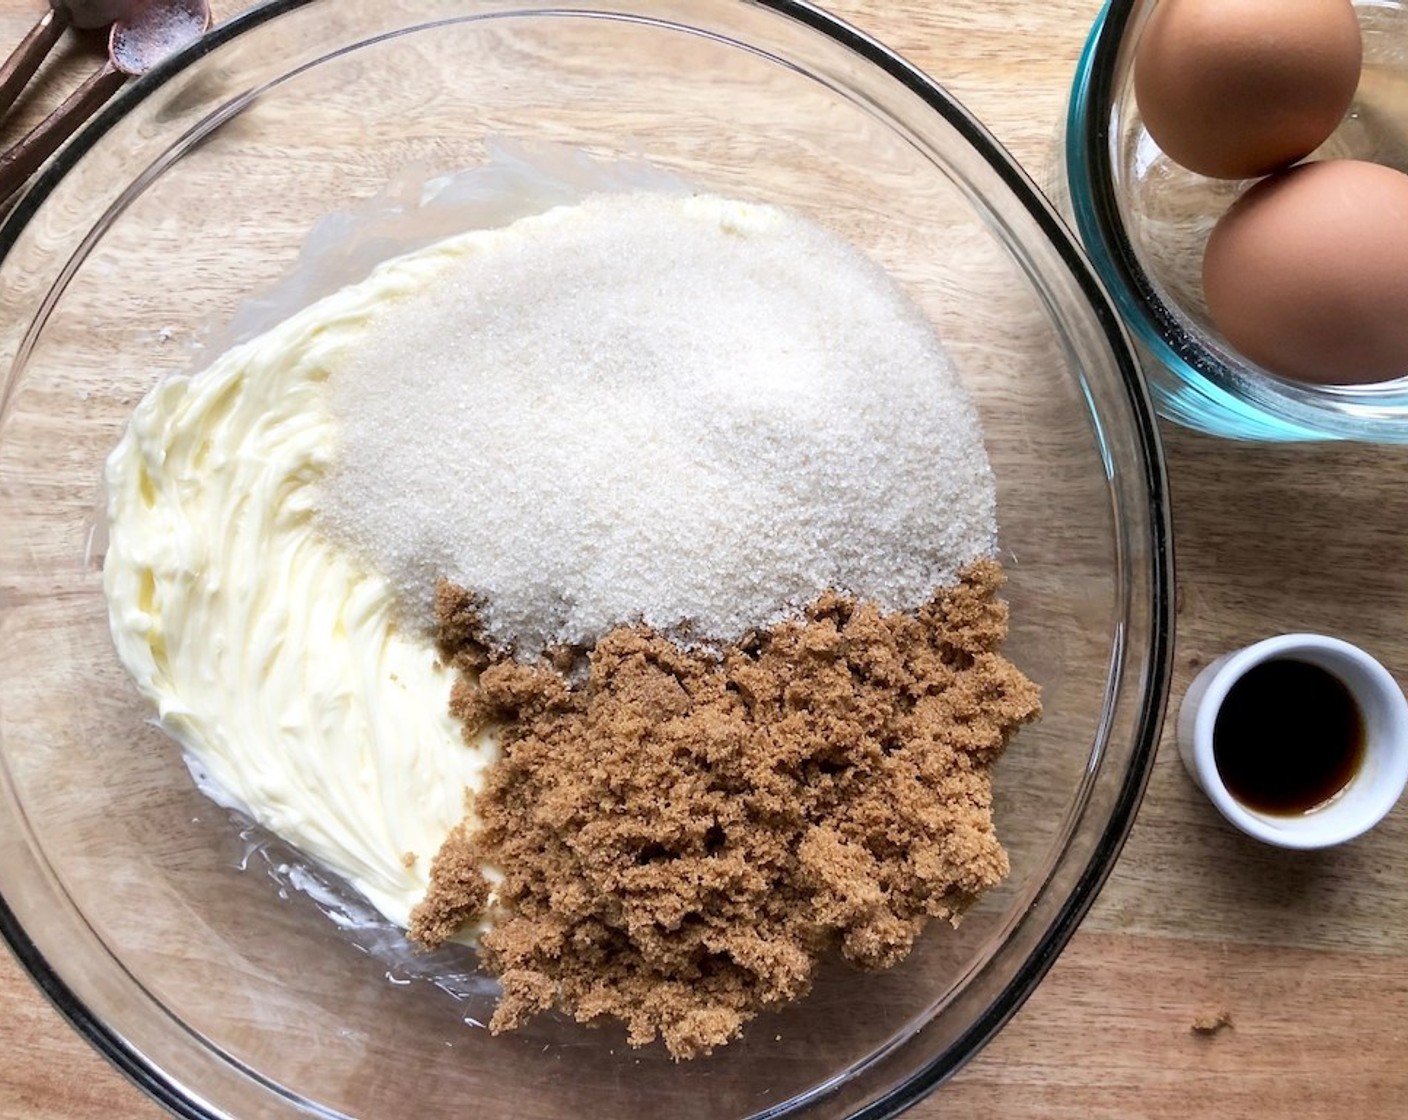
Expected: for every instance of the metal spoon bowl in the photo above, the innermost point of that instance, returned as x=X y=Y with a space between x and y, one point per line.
x=155 y=30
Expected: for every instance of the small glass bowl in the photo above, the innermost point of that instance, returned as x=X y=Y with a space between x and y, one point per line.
x=1145 y=221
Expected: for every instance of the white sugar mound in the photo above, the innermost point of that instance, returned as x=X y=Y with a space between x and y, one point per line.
x=684 y=411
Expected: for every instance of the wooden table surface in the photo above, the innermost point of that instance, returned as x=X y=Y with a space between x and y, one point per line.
x=1308 y=954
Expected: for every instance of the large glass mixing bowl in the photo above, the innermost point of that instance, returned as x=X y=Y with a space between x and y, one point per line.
x=176 y=938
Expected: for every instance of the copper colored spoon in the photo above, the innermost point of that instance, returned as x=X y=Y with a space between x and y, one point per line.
x=24 y=60
x=152 y=30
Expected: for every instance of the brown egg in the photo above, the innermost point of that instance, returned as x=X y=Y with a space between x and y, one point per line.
x=1238 y=88
x=1307 y=273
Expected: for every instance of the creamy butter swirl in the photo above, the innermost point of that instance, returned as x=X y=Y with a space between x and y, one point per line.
x=272 y=655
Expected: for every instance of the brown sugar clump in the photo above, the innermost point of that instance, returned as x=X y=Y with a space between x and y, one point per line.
x=686 y=832
x=459 y=892
x=1212 y=1024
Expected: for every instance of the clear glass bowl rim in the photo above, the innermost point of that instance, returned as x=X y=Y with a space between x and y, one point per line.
x=1148 y=721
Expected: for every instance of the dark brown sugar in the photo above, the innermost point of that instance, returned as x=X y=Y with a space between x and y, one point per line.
x=685 y=833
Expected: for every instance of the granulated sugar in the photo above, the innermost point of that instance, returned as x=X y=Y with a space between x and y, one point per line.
x=683 y=411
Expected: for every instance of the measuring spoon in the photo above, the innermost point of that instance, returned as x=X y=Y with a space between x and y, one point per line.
x=151 y=31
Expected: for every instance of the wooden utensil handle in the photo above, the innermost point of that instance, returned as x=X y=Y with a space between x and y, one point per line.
x=21 y=161
x=25 y=59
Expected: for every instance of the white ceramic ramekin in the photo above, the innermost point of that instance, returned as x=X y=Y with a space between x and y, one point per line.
x=1370 y=794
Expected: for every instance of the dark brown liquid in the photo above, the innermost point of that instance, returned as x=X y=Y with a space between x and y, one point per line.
x=1288 y=737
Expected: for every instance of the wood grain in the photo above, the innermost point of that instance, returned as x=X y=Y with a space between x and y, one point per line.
x=1308 y=954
